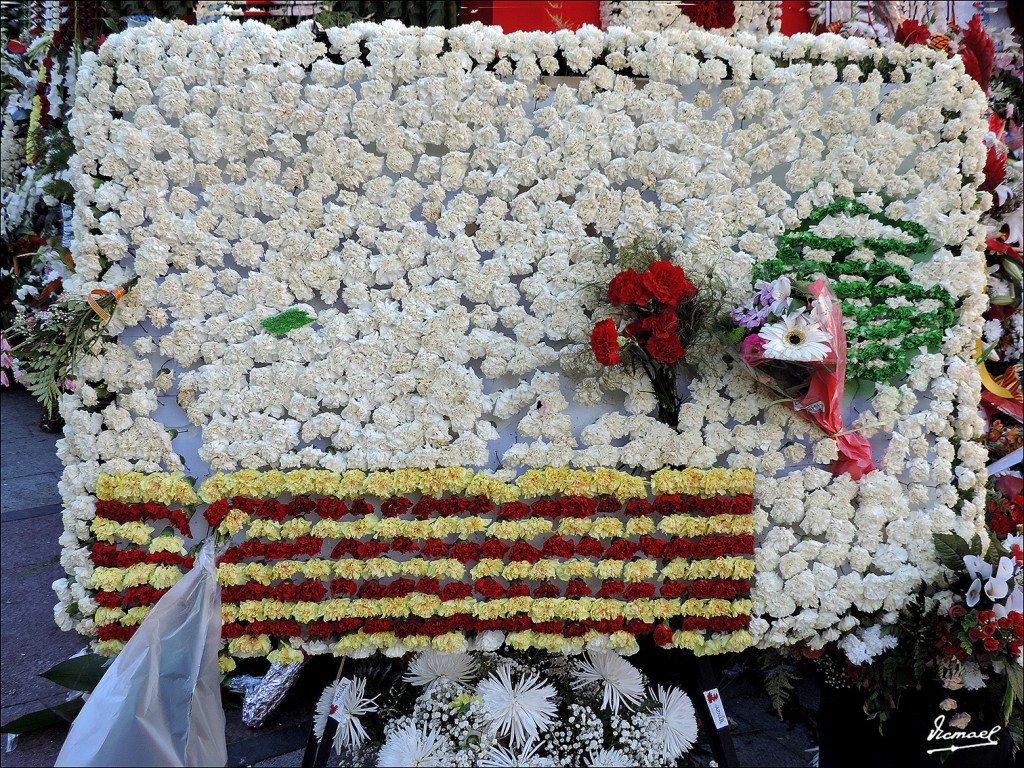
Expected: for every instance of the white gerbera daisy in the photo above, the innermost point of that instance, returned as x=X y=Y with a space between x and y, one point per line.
x=795 y=337
x=409 y=746
x=676 y=721
x=520 y=709
x=501 y=757
x=350 y=733
x=610 y=758
x=430 y=667
x=621 y=681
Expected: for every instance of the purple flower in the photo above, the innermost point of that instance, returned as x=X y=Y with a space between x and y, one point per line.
x=750 y=315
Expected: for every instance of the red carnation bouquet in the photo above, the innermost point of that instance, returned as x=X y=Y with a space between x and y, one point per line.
x=660 y=314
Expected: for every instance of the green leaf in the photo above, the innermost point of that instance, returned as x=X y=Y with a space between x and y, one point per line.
x=779 y=685
x=80 y=673
x=45 y=718
x=951 y=550
x=975 y=548
x=288 y=320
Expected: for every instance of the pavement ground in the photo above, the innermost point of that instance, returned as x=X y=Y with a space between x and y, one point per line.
x=30 y=641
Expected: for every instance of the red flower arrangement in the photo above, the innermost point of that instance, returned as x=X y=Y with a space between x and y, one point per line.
x=662 y=316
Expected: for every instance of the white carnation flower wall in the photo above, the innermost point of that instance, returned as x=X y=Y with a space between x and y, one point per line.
x=439 y=200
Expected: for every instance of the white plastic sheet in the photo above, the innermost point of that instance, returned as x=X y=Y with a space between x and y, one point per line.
x=159 y=702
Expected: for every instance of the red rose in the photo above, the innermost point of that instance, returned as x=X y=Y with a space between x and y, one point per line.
x=628 y=288
x=604 y=340
x=665 y=349
x=912 y=32
x=668 y=283
x=957 y=611
x=991 y=644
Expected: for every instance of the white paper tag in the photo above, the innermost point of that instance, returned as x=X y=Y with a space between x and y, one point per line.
x=714 y=701
x=66 y=212
x=338 y=702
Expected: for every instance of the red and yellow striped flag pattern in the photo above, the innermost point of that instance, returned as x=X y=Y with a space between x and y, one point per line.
x=553 y=560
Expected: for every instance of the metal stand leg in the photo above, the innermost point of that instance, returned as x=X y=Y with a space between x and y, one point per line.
x=319 y=750
x=712 y=714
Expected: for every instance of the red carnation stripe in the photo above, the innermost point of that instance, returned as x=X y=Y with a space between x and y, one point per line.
x=151 y=510
x=141 y=595
x=115 y=632
x=109 y=556
x=725 y=589
x=675 y=504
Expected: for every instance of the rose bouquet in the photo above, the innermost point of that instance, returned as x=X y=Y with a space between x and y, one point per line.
x=661 y=313
x=795 y=345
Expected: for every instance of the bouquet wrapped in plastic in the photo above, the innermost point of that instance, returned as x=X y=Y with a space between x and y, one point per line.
x=796 y=346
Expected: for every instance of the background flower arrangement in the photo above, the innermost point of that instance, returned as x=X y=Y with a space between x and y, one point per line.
x=492 y=709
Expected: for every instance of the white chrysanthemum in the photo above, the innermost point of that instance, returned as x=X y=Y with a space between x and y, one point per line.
x=621 y=681
x=795 y=337
x=677 y=723
x=409 y=746
x=430 y=667
x=610 y=758
x=520 y=709
x=350 y=733
x=502 y=757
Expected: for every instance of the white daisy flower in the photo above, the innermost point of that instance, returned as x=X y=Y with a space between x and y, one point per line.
x=610 y=758
x=797 y=338
x=621 y=681
x=409 y=746
x=350 y=733
x=520 y=709
x=430 y=667
x=676 y=721
x=501 y=757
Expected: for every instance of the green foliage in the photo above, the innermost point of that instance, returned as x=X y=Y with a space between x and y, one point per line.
x=61 y=714
x=288 y=320
x=79 y=673
x=864 y=289
x=162 y=9
x=779 y=684
x=952 y=549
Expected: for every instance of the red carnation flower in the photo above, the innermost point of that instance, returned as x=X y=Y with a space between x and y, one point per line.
x=628 y=288
x=465 y=552
x=668 y=283
x=639 y=591
x=604 y=340
x=665 y=349
x=589 y=547
x=546 y=590
x=523 y=551
x=434 y=548
x=518 y=590
x=395 y=507
x=361 y=507
x=331 y=509
x=216 y=512
x=609 y=505
x=638 y=508
x=515 y=510
x=610 y=589
x=662 y=635
x=578 y=588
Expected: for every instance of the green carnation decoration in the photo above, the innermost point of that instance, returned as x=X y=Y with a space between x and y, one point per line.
x=884 y=337
x=288 y=320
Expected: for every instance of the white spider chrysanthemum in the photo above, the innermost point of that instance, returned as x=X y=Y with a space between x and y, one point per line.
x=676 y=720
x=409 y=746
x=610 y=758
x=430 y=667
x=350 y=733
x=621 y=681
x=795 y=337
x=502 y=757
x=520 y=709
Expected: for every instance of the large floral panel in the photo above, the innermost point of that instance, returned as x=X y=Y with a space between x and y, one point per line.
x=373 y=250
